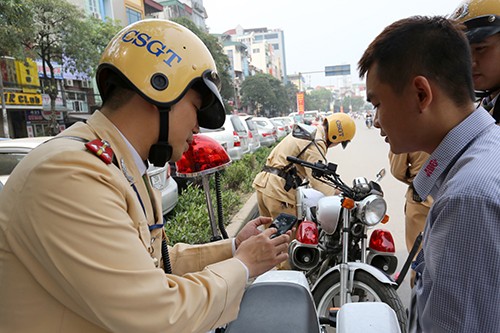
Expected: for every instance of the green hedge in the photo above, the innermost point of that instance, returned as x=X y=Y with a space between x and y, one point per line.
x=189 y=221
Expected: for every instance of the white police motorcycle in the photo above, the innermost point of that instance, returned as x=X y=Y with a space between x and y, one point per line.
x=281 y=302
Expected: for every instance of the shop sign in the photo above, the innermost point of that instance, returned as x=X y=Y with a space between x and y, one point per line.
x=48 y=114
x=13 y=98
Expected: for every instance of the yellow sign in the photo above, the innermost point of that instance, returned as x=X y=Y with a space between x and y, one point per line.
x=12 y=98
x=27 y=75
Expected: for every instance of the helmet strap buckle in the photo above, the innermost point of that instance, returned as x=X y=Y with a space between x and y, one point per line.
x=161 y=152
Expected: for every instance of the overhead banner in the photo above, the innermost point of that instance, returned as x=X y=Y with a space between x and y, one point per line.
x=300 y=103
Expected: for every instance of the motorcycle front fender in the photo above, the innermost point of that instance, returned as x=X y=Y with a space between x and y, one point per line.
x=353 y=267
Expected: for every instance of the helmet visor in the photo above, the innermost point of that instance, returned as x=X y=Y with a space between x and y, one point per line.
x=482 y=27
x=212 y=113
x=344 y=144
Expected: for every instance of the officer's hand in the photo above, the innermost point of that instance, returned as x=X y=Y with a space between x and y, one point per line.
x=260 y=253
x=250 y=229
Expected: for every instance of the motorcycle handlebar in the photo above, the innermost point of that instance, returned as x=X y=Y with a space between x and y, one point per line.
x=296 y=160
x=326 y=171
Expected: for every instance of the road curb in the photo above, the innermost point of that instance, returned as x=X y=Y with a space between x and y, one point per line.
x=246 y=213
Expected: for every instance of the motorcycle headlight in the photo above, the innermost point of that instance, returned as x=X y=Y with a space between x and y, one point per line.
x=371 y=210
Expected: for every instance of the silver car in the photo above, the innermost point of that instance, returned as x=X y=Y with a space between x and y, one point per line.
x=281 y=127
x=267 y=131
x=233 y=136
x=12 y=152
x=253 y=132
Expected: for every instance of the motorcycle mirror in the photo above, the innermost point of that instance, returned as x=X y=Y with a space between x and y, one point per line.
x=303 y=131
x=380 y=175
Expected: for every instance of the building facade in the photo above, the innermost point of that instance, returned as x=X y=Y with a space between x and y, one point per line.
x=191 y=9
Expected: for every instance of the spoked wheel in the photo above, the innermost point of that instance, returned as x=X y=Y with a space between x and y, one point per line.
x=366 y=288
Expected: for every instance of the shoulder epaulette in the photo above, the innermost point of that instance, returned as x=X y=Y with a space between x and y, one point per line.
x=102 y=149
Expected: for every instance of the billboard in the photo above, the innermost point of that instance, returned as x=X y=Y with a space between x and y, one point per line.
x=300 y=103
x=338 y=70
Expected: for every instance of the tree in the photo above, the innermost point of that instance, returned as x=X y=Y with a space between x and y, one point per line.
x=319 y=99
x=221 y=59
x=54 y=31
x=263 y=91
x=14 y=27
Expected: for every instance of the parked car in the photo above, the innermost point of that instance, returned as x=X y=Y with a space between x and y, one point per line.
x=312 y=118
x=281 y=127
x=253 y=132
x=267 y=131
x=288 y=121
x=233 y=136
x=13 y=151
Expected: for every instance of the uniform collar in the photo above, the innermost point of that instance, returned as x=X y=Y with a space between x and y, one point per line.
x=104 y=129
x=447 y=151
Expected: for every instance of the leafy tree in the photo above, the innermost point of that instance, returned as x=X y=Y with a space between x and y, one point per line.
x=54 y=31
x=86 y=43
x=14 y=27
x=354 y=103
x=265 y=94
x=221 y=59
x=319 y=99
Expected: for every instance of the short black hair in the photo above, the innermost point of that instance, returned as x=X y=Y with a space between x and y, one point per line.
x=433 y=47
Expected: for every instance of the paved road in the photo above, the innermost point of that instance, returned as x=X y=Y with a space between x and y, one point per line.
x=366 y=156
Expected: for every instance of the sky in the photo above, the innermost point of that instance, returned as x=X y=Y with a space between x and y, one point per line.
x=321 y=33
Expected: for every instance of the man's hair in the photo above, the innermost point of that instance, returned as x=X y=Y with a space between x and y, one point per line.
x=118 y=97
x=433 y=47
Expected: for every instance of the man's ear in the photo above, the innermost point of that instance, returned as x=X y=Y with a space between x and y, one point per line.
x=424 y=91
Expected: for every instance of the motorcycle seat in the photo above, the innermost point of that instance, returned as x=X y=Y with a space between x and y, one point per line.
x=276 y=307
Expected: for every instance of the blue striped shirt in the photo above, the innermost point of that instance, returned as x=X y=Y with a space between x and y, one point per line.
x=458 y=289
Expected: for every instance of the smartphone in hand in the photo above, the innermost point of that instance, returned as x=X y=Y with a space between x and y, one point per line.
x=283 y=222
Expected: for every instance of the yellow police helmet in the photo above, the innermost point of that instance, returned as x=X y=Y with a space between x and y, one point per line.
x=341 y=128
x=481 y=18
x=161 y=60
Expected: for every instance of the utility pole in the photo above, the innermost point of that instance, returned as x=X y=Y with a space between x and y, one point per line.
x=4 y=109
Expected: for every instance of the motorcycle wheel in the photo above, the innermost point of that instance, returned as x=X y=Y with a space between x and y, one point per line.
x=366 y=289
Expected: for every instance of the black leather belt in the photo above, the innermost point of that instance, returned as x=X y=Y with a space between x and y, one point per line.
x=275 y=171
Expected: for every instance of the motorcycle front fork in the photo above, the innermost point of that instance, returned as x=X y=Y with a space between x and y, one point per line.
x=346 y=275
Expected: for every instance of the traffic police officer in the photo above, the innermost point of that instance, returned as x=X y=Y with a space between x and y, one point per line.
x=482 y=21
x=80 y=229
x=272 y=197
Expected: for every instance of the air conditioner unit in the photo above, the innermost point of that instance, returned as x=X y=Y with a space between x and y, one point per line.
x=85 y=84
x=69 y=82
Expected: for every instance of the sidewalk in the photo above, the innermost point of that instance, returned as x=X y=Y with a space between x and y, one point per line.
x=249 y=211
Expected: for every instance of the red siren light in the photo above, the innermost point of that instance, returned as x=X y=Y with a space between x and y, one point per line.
x=381 y=240
x=307 y=233
x=204 y=156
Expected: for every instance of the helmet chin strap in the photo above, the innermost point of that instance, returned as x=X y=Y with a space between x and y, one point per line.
x=161 y=152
